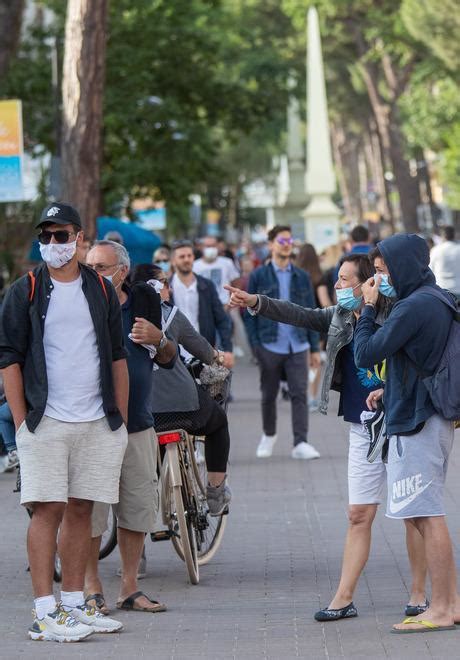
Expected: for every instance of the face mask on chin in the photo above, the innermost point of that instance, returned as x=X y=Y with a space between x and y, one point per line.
x=210 y=253
x=57 y=255
x=347 y=300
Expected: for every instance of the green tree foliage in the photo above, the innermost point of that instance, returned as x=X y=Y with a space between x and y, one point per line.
x=186 y=83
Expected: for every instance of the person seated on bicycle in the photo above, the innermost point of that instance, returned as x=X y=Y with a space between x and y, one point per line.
x=179 y=402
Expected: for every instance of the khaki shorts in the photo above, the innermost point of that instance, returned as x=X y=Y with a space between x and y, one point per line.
x=138 y=505
x=70 y=459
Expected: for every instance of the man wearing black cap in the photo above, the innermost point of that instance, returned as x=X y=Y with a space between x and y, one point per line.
x=66 y=381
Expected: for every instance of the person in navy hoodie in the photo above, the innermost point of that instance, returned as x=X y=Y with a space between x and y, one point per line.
x=412 y=340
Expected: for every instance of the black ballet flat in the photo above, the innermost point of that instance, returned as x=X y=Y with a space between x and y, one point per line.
x=347 y=612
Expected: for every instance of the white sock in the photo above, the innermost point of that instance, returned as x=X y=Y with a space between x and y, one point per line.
x=71 y=599
x=44 y=605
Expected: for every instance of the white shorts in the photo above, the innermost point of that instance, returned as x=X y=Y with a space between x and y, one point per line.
x=366 y=481
x=70 y=459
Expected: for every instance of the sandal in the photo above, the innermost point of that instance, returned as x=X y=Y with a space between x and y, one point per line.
x=425 y=626
x=130 y=604
x=99 y=603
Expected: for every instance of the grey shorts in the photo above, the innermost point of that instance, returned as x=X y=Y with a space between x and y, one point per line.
x=138 y=504
x=70 y=459
x=417 y=469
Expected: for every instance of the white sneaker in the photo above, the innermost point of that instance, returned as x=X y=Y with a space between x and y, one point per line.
x=13 y=460
x=265 y=447
x=305 y=451
x=59 y=626
x=98 y=622
x=3 y=463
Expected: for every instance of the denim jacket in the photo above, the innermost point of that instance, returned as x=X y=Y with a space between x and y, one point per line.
x=336 y=321
x=263 y=329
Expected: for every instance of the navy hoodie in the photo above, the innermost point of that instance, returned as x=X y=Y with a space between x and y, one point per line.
x=417 y=328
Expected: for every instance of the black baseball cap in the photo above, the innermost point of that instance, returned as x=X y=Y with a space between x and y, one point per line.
x=60 y=214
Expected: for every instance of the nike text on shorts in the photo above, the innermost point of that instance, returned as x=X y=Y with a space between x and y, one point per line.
x=416 y=470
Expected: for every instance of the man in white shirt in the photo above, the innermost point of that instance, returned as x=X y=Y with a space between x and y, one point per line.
x=197 y=298
x=66 y=381
x=445 y=262
x=220 y=270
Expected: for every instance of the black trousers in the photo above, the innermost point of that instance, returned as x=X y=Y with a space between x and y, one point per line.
x=272 y=366
x=209 y=420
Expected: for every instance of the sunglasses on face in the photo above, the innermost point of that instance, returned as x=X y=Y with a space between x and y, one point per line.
x=60 y=236
x=285 y=241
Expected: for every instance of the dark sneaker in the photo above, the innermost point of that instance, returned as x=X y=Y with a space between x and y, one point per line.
x=218 y=498
x=347 y=612
x=377 y=432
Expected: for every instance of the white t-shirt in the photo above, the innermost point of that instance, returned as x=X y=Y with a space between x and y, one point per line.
x=221 y=271
x=445 y=264
x=186 y=299
x=72 y=356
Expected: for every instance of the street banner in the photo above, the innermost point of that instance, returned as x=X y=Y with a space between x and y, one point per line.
x=11 y=151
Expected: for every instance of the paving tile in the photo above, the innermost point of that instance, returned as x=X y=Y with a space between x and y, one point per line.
x=279 y=562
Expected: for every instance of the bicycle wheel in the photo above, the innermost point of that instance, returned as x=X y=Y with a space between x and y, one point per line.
x=179 y=514
x=210 y=529
x=109 y=537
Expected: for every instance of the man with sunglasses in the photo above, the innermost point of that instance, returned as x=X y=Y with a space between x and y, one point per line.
x=280 y=348
x=66 y=381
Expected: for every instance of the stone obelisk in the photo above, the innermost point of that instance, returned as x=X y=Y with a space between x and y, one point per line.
x=321 y=215
x=291 y=197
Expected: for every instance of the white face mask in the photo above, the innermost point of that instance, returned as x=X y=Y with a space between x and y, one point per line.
x=156 y=284
x=57 y=255
x=210 y=253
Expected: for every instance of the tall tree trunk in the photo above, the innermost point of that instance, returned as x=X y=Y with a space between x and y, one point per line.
x=407 y=185
x=338 y=140
x=82 y=100
x=10 y=29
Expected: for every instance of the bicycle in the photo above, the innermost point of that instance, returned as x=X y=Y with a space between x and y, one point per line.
x=195 y=534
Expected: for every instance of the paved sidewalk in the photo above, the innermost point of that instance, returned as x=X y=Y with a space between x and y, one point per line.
x=279 y=562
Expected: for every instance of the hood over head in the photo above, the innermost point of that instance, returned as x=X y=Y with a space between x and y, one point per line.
x=407 y=258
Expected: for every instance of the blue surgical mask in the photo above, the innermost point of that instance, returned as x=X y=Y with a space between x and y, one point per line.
x=164 y=265
x=385 y=288
x=347 y=300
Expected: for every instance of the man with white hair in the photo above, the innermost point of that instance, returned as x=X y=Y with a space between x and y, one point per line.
x=138 y=498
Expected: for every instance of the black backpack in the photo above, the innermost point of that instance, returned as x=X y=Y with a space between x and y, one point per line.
x=444 y=384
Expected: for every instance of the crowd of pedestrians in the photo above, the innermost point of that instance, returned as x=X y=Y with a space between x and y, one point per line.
x=93 y=355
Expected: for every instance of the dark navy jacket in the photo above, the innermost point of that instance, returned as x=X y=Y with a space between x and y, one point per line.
x=413 y=337
x=212 y=317
x=263 y=280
